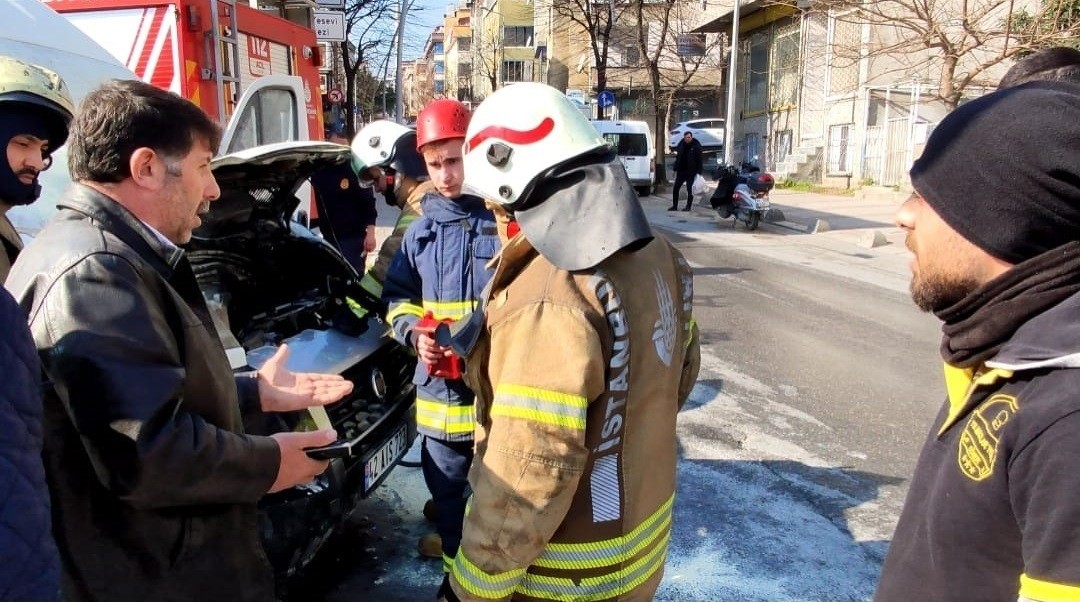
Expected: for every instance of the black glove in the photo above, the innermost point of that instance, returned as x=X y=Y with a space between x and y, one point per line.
x=446 y=593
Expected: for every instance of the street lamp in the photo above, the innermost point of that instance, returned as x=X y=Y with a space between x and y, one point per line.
x=399 y=108
x=733 y=61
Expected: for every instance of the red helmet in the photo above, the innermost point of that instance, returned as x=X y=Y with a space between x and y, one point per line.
x=442 y=119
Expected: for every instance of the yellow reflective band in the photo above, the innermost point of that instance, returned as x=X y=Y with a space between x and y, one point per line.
x=540 y=405
x=693 y=332
x=371 y=285
x=354 y=306
x=1046 y=591
x=447 y=563
x=403 y=309
x=481 y=584
x=449 y=309
x=602 y=587
x=445 y=418
x=618 y=550
x=404 y=221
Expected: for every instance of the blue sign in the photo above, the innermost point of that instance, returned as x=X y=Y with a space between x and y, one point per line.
x=605 y=99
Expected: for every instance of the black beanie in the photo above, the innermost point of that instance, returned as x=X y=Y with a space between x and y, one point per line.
x=1004 y=170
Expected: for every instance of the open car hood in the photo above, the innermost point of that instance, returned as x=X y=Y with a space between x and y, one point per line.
x=260 y=183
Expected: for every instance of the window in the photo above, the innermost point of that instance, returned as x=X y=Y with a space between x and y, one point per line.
x=269 y=117
x=783 y=145
x=784 y=67
x=517 y=35
x=840 y=149
x=628 y=145
x=440 y=67
x=464 y=70
x=464 y=44
x=757 y=75
x=631 y=57
x=516 y=71
x=437 y=48
x=440 y=86
x=843 y=61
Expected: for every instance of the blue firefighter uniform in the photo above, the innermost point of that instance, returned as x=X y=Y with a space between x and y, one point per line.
x=441 y=268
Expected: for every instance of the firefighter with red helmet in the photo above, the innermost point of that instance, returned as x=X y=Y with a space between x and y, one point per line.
x=583 y=354
x=437 y=276
x=35 y=110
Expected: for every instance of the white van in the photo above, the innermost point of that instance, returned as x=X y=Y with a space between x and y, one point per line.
x=634 y=143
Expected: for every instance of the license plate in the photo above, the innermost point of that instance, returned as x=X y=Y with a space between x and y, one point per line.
x=382 y=460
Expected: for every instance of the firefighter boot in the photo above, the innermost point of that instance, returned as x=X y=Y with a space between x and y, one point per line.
x=430 y=512
x=430 y=546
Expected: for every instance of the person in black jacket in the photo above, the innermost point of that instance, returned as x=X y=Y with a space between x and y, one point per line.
x=153 y=481
x=346 y=209
x=687 y=166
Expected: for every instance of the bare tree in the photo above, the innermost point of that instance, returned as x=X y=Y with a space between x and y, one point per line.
x=595 y=20
x=672 y=57
x=486 y=62
x=365 y=30
x=955 y=43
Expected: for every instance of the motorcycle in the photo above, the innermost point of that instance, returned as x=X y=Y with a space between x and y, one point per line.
x=742 y=193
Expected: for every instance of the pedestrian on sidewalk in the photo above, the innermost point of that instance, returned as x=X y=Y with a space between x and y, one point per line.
x=688 y=165
x=994 y=226
x=441 y=268
x=583 y=355
x=153 y=482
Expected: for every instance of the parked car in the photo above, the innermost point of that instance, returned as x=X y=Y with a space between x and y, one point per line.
x=709 y=132
x=633 y=142
x=268 y=280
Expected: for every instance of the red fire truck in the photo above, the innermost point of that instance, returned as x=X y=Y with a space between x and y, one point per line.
x=208 y=51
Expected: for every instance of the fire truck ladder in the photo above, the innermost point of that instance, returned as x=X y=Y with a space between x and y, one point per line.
x=226 y=40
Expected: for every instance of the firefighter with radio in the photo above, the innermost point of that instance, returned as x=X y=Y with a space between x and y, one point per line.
x=583 y=354
x=35 y=110
x=437 y=276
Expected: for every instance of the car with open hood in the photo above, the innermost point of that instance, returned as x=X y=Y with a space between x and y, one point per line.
x=269 y=280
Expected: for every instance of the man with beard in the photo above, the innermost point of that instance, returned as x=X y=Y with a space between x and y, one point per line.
x=583 y=355
x=994 y=226
x=153 y=481
x=35 y=109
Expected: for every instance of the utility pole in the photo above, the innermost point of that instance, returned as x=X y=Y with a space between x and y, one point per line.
x=733 y=62
x=399 y=105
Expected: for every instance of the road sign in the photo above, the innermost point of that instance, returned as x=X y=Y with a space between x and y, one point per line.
x=605 y=99
x=335 y=96
x=329 y=25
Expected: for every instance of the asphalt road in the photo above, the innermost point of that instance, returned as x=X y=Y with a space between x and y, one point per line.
x=815 y=392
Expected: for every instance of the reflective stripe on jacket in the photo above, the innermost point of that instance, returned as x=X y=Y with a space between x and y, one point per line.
x=410 y=210
x=579 y=377
x=441 y=268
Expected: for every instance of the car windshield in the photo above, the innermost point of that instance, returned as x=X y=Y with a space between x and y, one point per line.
x=629 y=145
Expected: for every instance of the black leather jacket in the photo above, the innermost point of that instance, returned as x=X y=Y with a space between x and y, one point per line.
x=153 y=482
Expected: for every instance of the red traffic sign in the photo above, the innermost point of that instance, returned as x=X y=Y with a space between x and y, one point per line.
x=335 y=96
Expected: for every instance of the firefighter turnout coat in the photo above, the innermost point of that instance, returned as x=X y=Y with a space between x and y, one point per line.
x=579 y=377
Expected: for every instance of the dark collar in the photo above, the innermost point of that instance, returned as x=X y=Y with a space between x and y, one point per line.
x=122 y=223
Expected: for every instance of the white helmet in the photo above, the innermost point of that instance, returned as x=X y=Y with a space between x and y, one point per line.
x=519 y=133
x=384 y=143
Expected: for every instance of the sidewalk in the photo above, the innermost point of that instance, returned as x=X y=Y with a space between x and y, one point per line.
x=838 y=234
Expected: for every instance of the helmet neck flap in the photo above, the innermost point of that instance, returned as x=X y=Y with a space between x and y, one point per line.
x=582 y=212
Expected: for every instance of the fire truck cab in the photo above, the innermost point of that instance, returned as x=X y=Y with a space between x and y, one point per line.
x=211 y=52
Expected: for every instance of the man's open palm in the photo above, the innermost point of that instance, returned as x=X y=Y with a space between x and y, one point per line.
x=282 y=390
